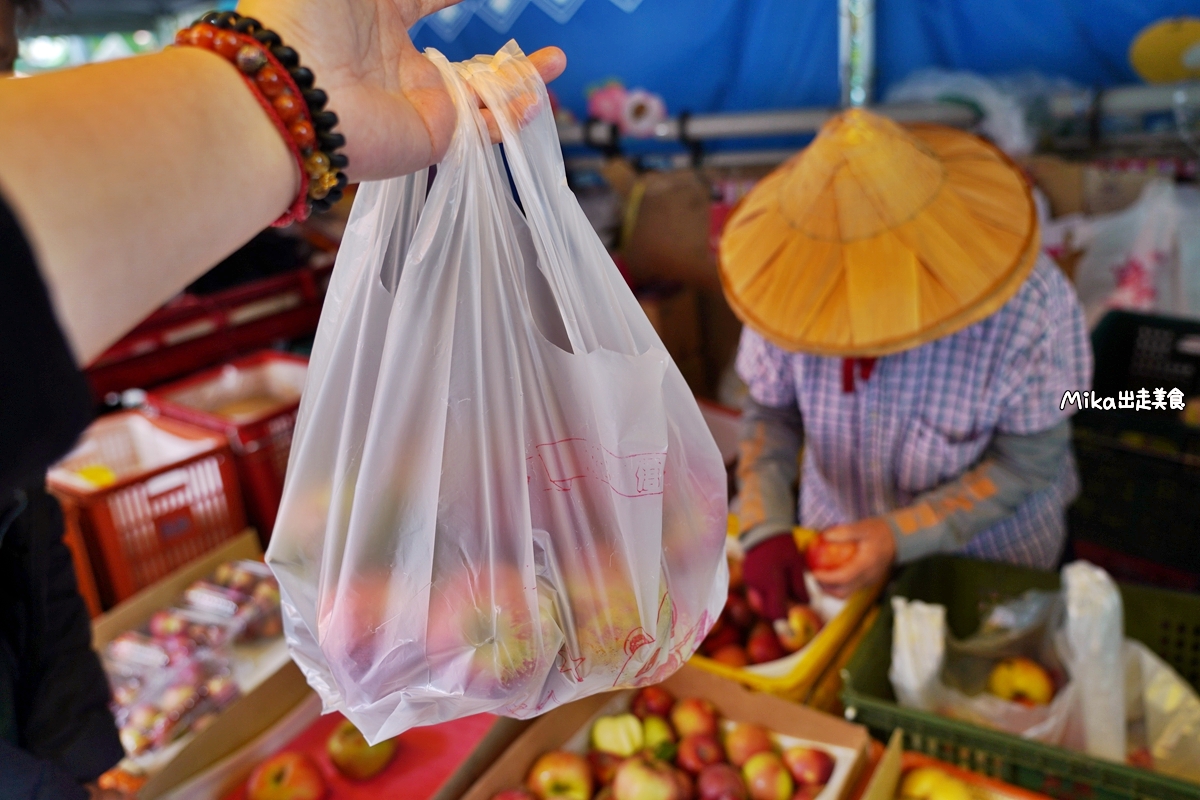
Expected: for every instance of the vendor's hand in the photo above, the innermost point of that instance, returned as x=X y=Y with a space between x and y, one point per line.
x=871 y=561
x=774 y=574
x=392 y=106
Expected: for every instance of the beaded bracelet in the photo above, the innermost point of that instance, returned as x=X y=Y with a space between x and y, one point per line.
x=285 y=91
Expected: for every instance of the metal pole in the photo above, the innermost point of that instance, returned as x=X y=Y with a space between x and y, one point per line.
x=856 y=51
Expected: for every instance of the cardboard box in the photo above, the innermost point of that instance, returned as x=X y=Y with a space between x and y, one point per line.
x=556 y=729
x=248 y=716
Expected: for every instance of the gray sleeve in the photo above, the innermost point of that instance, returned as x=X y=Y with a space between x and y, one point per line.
x=948 y=517
x=768 y=470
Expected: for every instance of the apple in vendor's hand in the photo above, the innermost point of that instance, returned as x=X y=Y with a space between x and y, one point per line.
x=642 y=778
x=483 y=632
x=354 y=758
x=823 y=555
x=286 y=776
x=652 y=700
x=559 y=774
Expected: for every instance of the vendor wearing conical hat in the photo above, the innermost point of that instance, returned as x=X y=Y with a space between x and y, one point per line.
x=903 y=331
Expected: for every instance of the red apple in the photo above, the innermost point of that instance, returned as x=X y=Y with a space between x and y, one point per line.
x=651 y=700
x=808 y=791
x=721 y=782
x=732 y=655
x=560 y=775
x=800 y=627
x=687 y=786
x=697 y=751
x=738 y=610
x=722 y=635
x=483 y=633
x=767 y=778
x=354 y=758
x=823 y=555
x=646 y=779
x=286 y=776
x=809 y=765
x=694 y=715
x=604 y=766
x=763 y=645
x=746 y=739
x=513 y=794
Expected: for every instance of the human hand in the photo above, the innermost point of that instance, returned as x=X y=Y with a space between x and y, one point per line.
x=774 y=574
x=392 y=106
x=870 y=563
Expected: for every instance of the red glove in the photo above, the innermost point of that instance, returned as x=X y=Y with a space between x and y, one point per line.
x=774 y=575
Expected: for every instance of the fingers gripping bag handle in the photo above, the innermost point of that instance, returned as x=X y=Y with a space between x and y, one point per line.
x=626 y=433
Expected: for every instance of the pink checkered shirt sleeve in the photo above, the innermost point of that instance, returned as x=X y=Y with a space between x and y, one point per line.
x=766 y=370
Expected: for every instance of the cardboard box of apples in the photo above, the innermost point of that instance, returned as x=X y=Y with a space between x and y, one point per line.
x=694 y=737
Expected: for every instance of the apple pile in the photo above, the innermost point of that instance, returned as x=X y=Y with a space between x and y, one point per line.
x=663 y=749
x=295 y=776
x=741 y=636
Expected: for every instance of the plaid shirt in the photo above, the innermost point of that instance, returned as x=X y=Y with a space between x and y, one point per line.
x=926 y=415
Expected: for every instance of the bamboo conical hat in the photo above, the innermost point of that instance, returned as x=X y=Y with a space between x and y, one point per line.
x=877 y=238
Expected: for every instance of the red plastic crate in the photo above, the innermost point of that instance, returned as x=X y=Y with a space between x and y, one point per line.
x=169 y=493
x=193 y=332
x=260 y=437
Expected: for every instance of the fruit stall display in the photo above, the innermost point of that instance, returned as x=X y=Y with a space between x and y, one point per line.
x=1162 y=620
x=786 y=658
x=191 y=660
x=694 y=736
x=330 y=760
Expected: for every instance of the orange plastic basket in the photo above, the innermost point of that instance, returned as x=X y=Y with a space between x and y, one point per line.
x=147 y=496
x=253 y=401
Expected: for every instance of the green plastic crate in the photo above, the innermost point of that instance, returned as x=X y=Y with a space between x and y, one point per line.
x=1167 y=622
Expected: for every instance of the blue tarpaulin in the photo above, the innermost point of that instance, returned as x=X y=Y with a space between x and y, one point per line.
x=728 y=55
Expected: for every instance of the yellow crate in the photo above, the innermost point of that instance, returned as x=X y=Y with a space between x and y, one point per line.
x=819 y=653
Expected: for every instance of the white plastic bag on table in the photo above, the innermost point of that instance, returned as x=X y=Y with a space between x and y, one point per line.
x=1164 y=714
x=933 y=671
x=501 y=494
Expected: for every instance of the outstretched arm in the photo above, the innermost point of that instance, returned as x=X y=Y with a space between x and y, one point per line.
x=131 y=178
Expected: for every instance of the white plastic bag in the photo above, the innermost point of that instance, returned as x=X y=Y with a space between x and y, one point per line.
x=1070 y=633
x=1164 y=714
x=502 y=495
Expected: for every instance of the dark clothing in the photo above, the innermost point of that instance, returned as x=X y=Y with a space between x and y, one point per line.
x=44 y=399
x=56 y=731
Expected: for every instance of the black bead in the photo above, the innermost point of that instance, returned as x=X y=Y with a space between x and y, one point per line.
x=342 y=181
x=334 y=196
x=225 y=19
x=320 y=206
x=302 y=76
x=315 y=99
x=269 y=38
x=339 y=160
x=331 y=141
x=324 y=120
x=247 y=25
x=286 y=56
x=210 y=17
